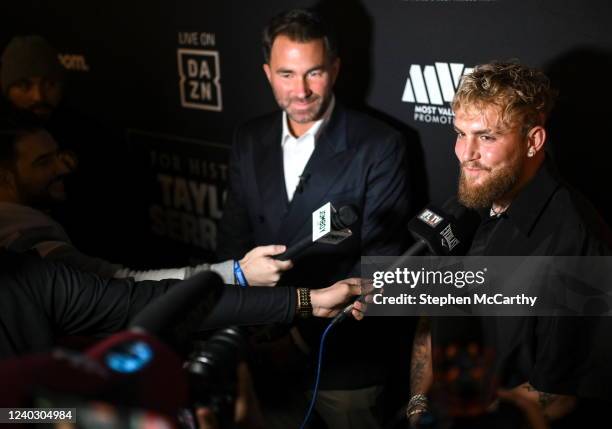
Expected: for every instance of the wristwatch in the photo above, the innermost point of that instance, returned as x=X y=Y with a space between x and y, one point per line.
x=304 y=306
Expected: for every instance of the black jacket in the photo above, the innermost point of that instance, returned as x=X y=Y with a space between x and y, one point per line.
x=41 y=301
x=357 y=160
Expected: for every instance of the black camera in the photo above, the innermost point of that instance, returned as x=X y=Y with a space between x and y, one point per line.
x=212 y=372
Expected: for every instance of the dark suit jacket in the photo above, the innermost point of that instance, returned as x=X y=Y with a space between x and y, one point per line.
x=357 y=160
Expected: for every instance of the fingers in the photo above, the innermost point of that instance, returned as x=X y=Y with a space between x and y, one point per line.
x=270 y=250
x=354 y=286
x=283 y=265
x=360 y=286
x=367 y=287
x=358 y=310
x=261 y=269
x=358 y=305
x=514 y=395
x=532 y=411
x=265 y=252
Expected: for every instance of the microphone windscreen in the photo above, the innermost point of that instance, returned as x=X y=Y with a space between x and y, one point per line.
x=447 y=231
x=199 y=293
x=345 y=217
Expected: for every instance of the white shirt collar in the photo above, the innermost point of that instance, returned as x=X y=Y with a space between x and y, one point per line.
x=316 y=128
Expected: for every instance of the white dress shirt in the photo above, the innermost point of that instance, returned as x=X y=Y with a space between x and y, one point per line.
x=297 y=151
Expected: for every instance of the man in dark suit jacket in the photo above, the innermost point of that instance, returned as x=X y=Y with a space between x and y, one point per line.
x=286 y=165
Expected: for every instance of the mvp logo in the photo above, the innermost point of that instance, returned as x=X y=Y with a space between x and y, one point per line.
x=433 y=85
x=199 y=75
x=432 y=88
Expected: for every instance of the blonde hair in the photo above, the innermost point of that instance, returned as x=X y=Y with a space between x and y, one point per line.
x=523 y=95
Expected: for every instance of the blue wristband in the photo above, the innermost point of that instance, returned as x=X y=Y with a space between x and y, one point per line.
x=242 y=281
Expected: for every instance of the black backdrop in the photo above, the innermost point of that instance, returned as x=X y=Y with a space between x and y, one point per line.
x=174 y=79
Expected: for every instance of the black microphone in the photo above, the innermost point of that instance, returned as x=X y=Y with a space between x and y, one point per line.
x=329 y=226
x=195 y=296
x=302 y=182
x=442 y=232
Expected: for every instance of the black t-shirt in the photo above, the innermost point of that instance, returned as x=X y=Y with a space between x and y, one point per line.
x=41 y=301
x=555 y=354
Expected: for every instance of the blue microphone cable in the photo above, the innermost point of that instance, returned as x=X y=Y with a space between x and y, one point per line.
x=315 y=390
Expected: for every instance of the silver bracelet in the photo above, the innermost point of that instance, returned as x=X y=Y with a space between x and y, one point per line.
x=415 y=412
x=417 y=401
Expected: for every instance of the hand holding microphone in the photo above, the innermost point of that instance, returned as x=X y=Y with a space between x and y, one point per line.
x=264 y=265
x=329 y=301
x=260 y=266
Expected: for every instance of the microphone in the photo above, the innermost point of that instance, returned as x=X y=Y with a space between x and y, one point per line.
x=442 y=232
x=329 y=226
x=197 y=295
x=302 y=182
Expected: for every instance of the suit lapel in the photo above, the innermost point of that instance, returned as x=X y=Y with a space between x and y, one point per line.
x=268 y=157
x=327 y=162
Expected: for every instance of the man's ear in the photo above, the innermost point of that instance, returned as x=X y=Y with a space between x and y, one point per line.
x=335 y=69
x=536 y=138
x=267 y=71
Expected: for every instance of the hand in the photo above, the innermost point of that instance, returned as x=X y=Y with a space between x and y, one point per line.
x=260 y=269
x=530 y=409
x=554 y=406
x=329 y=301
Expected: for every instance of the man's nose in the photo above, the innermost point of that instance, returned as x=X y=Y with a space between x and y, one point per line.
x=302 y=89
x=65 y=163
x=37 y=93
x=470 y=150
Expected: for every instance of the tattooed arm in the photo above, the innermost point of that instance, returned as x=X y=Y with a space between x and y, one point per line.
x=421 y=372
x=553 y=406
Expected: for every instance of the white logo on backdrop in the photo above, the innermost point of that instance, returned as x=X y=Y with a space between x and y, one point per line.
x=73 y=62
x=432 y=89
x=199 y=76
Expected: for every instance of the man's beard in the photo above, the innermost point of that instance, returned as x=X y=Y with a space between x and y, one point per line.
x=499 y=183
x=42 y=110
x=314 y=113
x=42 y=199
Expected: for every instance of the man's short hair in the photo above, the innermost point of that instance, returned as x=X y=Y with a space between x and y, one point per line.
x=12 y=130
x=300 y=25
x=523 y=94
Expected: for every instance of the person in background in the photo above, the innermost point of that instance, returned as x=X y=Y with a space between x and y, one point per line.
x=32 y=173
x=35 y=83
